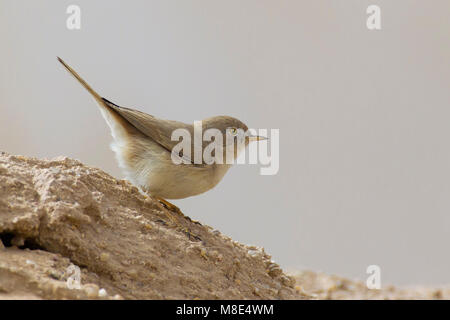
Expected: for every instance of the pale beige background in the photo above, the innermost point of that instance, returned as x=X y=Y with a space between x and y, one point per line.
x=364 y=116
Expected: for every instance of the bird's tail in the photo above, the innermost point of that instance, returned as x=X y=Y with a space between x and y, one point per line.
x=120 y=127
x=96 y=96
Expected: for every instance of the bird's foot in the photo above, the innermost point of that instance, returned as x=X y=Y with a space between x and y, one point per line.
x=173 y=208
x=170 y=206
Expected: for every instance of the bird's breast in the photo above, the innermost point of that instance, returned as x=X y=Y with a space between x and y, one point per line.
x=149 y=166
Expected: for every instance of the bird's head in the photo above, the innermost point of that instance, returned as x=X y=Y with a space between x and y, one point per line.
x=235 y=134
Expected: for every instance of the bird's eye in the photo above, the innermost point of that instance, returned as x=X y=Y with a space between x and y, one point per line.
x=233 y=131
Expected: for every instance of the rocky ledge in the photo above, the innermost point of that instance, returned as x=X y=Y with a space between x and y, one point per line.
x=69 y=231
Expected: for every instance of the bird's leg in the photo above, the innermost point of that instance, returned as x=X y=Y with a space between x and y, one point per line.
x=171 y=207
x=174 y=208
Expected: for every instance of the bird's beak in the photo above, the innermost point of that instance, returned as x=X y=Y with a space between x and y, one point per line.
x=256 y=138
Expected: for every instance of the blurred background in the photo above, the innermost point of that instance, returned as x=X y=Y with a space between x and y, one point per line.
x=364 y=115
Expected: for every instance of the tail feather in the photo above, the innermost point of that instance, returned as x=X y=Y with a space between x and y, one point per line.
x=119 y=126
x=96 y=96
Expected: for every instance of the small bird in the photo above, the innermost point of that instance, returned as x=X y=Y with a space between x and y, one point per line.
x=143 y=148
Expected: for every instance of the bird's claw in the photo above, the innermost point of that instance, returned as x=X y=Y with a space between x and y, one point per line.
x=170 y=206
x=173 y=208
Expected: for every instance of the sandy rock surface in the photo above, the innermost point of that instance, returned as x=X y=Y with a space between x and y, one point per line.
x=59 y=216
x=322 y=286
x=69 y=231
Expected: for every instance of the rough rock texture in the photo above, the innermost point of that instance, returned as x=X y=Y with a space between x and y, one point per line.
x=68 y=231
x=58 y=215
x=322 y=286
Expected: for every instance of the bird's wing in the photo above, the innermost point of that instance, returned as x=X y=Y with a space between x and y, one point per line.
x=157 y=129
